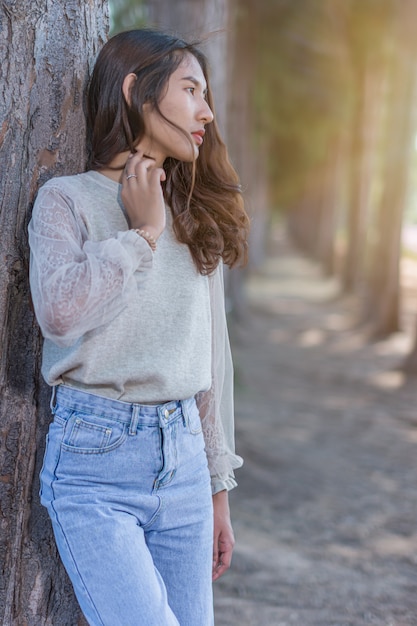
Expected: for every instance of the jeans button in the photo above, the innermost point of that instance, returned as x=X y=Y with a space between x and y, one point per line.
x=166 y=413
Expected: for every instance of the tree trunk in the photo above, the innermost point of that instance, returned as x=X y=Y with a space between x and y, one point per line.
x=384 y=280
x=410 y=362
x=332 y=200
x=46 y=48
x=304 y=214
x=356 y=227
x=247 y=146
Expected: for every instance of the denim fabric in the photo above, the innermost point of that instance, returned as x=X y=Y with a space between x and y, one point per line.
x=128 y=491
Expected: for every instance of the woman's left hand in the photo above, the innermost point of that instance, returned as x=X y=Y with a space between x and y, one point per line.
x=224 y=540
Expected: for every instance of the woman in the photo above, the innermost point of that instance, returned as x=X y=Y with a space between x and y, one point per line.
x=127 y=286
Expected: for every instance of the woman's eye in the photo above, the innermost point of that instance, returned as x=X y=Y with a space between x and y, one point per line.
x=191 y=90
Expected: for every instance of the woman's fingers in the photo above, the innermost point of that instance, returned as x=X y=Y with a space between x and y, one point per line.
x=222 y=556
x=143 y=168
x=142 y=193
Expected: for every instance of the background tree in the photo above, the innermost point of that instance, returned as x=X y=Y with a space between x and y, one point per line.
x=364 y=26
x=46 y=49
x=383 y=277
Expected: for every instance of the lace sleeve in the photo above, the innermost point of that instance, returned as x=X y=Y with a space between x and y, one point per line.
x=78 y=285
x=216 y=405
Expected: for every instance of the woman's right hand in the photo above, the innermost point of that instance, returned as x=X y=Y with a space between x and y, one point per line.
x=142 y=194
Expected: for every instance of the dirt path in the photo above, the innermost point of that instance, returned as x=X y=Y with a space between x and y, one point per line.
x=325 y=514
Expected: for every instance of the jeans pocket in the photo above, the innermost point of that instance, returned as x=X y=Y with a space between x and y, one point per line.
x=90 y=434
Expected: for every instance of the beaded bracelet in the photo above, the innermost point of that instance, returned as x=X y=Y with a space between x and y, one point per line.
x=147 y=237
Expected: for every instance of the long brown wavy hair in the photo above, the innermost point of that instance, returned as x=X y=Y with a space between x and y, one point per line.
x=204 y=196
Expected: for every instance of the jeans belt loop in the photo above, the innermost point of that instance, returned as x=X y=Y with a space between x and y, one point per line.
x=134 y=421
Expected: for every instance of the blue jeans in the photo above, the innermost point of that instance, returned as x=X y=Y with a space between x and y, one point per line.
x=128 y=491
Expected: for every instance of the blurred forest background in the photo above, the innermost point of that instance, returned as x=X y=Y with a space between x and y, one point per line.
x=317 y=101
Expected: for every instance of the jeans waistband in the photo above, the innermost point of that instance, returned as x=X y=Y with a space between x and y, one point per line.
x=126 y=412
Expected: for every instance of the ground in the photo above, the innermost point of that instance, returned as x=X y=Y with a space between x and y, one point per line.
x=325 y=515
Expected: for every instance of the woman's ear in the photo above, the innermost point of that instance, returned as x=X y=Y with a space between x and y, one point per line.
x=128 y=83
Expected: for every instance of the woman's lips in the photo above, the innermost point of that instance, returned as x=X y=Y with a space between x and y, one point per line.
x=198 y=136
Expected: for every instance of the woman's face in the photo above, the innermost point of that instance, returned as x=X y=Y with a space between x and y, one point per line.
x=184 y=104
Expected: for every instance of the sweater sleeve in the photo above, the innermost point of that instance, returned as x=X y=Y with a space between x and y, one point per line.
x=216 y=404
x=77 y=284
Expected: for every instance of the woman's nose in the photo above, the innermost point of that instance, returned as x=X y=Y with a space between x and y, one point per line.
x=206 y=113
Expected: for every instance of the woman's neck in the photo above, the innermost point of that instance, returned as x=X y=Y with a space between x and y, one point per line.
x=116 y=167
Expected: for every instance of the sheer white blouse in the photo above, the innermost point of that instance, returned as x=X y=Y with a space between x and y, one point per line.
x=116 y=316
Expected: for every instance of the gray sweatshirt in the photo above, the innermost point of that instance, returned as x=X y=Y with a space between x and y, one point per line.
x=123 y=322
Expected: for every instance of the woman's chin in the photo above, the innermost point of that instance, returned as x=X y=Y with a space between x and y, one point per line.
x=189 y=158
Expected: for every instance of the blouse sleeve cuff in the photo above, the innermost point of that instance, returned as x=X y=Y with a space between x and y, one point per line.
x=141 y=249
x=222 y=483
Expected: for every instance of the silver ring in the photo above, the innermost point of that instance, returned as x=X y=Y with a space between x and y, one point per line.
x=130 y=176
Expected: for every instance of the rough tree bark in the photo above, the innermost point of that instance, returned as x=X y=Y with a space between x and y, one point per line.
x=46 y=49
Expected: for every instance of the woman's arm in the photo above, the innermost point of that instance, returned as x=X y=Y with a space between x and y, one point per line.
x=223 y=539
x=78 y=285
x=216 y=412
x=216 y=404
